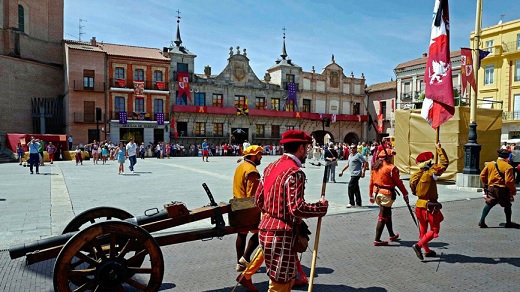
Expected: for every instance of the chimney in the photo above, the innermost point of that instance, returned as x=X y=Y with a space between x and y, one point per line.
x=207 y=70
x=93 y=41
x=425 y=55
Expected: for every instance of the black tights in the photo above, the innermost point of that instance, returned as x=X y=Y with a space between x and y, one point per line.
x=241 y=246
x=385 y=219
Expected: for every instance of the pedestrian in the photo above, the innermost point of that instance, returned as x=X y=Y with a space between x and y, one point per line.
x=499 y=183
x=34 y=156
x=40 y=151
x=20 y=152
x=280 y=197
x=331 y=159
x=142 y=150
x=423 y=184
x=383 y=180
x=205 y=150
x=121 y=154
x=104 y=154
x=358 y=165
x=245 y=183
x=69 y=140
x=51 y=150
x=95 y=151
x=79 y=156
x=515 y=162
x=131 y=153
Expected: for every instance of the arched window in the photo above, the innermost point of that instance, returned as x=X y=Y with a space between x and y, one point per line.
x=21 y=18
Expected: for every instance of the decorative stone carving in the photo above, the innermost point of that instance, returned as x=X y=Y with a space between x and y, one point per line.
x=267 y=77
x=334 y=79
x=231 y=51
x=207 y=70
x=245 y=54
x=239 y=70
x=238 y=50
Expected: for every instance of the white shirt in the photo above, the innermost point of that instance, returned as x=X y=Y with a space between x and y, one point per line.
x=131 y=149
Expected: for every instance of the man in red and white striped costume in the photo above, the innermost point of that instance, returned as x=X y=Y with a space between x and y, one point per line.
x=280 y=197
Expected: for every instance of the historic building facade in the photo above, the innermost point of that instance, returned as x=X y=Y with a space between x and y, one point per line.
x=499 y=75
x=381 y=107
x=235 y=105
x=31 y=34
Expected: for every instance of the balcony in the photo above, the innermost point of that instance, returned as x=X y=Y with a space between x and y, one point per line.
x=266 y=136
x=406 y=95
x=511 y=47
x=174 y=78
x=511 y=116
x=130 y=115
x=191 y=134
x=83 y=117
x=129 y=84
x=78 y=85
x=284 y=85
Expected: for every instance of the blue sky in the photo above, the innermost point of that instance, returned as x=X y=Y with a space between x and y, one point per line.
x=368 y=36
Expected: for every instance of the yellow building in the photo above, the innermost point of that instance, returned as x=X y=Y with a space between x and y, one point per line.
x=499 y=74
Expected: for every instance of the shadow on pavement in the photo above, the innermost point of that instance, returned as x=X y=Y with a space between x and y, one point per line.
x=459 y=258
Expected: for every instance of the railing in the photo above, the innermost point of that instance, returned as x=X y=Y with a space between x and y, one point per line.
x=284 y=85
x=78 y=85
x=175 y=78
x=511 y=116
x=266 y=136
x=130 y=116
x=83 y=117
x=191 y=134
x=511 y=46
x=148 y=85
x=406 y=95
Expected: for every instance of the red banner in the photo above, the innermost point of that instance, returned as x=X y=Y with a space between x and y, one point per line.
x=380 y=117
x=184 y=84
x=466 y=69
x=121 y=82
x=160 y=85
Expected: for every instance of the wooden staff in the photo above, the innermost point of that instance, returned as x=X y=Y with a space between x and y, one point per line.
x=318 y=228
x=437 y=141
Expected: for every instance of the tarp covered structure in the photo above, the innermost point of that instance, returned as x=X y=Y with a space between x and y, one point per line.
x=414 y=135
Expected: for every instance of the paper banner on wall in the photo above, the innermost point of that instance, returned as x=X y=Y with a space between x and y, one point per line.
x=123 y=118
x=160 y=118
x=138 y=87
x=160 y=85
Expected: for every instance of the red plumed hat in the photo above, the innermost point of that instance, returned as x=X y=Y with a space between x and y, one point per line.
x=425 y=156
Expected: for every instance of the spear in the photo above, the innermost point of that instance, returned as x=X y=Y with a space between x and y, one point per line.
x=318 y=228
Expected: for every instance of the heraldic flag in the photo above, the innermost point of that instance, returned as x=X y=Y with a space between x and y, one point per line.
x=438 y=105
x=466 y=69
x=184 y=85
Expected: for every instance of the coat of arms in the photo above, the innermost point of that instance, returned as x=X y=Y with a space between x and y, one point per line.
x=239 y=71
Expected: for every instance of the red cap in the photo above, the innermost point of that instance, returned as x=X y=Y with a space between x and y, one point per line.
x=425 y=156
x=295 y=136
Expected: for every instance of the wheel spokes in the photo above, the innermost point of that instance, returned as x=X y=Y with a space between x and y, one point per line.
x=87 y=286
x=87 y=259
x=137 y=270
x=135 y=284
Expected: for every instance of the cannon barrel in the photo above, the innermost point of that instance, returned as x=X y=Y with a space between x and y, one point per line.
x=144 y=219
x=21 y=250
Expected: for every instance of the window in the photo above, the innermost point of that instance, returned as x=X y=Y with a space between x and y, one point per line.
x=139 y=75
x=489 y=46
x=407 y=90
x=518 y=41
x=290 y=78
x=218 y=129
x=157 y=76
x=356 y=109
x=158 y=106
x=21 y=18
x=89 y=111
x=260 y=103
x=275 y=104
x=290 y=127
x=240 y=101
x=200 y=129
x=516 y=107
x=306 y=105
x=275 y=131
x=181 y=100
x=120 y=73
x=139 y=105
x=489 y=74
x=289 y=105
x=260 y=131
x=119 y=104
x=517 y=70
x=383 y=109
x=88 y=79
x=200 y=99
x=218 y=100
x=182 y=67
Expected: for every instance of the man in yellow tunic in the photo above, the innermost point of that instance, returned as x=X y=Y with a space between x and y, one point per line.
x=424 y=185
x=245 y=183
x=499 y=180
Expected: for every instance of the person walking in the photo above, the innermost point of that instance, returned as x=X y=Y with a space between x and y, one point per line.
x=69 y=140
x=95 y=152
x=383 y=181
x=51 y=150
x=423 y=184
x=78 y=155
x=40 y=151
x=497 y=177
x=245 y=183
x=331 y=160
x=205 y=150
x=34 y=156
x=280 y=197
x=121 y=154
x=142 y=150
x=104 y=153
x=515 y=163
x=131 y=154
x=358 y=165
x=20 y=152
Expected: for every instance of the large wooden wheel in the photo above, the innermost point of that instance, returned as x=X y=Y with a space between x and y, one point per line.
x=91 y=215
x=109 y=256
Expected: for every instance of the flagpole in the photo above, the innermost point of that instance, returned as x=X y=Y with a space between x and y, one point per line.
x=437 y=131
x=472 y=148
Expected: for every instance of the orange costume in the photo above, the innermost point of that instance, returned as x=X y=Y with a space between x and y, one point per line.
x=427 y=209
x=383 y=181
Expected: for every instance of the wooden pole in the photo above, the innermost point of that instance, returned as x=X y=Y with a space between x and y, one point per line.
x=318 y=228
x=437 y=141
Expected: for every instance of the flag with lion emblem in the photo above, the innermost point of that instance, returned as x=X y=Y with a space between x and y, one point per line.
x=438 y=105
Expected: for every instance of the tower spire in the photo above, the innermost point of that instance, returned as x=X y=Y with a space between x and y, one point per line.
x=178 y=40
x=284 y=52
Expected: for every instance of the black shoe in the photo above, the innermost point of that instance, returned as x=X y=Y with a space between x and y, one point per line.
x=482 y=225
x=418 y=252
x=430 y=254
x=32 y=172
x=512 y=225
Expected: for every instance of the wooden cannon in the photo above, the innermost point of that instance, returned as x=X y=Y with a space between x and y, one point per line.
x=119 y=252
